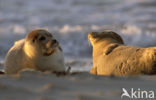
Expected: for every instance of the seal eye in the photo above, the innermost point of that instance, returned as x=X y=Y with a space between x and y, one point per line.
x=42 y=38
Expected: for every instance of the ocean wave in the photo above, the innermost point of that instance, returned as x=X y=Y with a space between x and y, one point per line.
x=70 y=21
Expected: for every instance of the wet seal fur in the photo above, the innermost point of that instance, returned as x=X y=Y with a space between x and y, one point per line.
x=111 y=57
x=39 y=51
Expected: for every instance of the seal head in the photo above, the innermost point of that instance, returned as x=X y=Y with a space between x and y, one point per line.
x=40 y=42
x=106 y=35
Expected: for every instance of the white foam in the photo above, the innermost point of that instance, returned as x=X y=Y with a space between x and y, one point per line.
x=68 y=28
x=18 y=29
x=134 y=35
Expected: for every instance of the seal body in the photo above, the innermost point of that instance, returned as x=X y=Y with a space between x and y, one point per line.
x=38 y=51
x=112 y=57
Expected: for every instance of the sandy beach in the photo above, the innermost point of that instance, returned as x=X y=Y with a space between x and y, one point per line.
x=30 y=85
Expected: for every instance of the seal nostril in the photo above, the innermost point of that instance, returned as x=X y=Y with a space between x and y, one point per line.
x=54 y=41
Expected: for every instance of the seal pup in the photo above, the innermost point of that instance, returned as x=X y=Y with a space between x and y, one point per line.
x=39 y=51
x=112 y=57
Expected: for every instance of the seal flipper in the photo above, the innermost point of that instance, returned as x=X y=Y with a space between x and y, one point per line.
x=93 y=70
x=110 y=48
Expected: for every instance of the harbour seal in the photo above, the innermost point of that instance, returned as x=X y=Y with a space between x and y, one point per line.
x=39 y=50
x=112 y=57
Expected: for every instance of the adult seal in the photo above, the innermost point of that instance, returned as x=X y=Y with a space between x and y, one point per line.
x=112 y=57
x=39 y=50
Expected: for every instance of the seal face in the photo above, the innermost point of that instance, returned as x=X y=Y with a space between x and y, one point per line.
x=39 y=51
x=42 y=42
x=95 y=37
x=112 y=57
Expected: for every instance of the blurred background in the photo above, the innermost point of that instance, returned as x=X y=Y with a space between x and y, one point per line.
x=71 y=20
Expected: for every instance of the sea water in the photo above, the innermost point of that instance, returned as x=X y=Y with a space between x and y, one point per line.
x=71 y=20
